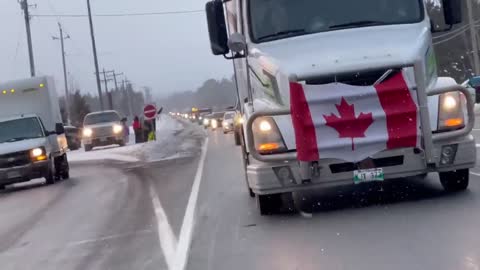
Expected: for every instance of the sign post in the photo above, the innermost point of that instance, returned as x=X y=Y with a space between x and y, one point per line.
x=150 y=113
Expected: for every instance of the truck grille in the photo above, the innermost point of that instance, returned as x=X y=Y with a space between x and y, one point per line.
x=102 y=131
x=363 y=78
x=14 y=159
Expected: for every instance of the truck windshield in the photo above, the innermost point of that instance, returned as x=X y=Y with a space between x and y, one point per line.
x=20 y=129
x=98 y=118
x=276 y=19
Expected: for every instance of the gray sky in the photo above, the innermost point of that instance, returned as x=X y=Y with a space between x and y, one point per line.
x=168 y=53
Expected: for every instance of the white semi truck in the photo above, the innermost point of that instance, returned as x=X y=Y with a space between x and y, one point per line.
x=342 y=92
x=32 y=137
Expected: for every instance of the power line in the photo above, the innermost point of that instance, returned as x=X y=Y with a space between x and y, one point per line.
x=120 y=14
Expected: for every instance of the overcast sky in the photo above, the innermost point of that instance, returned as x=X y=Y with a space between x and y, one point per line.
x=168 y=53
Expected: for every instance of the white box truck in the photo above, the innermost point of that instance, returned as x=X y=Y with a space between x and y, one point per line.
x=32 y=138
x=342 y=92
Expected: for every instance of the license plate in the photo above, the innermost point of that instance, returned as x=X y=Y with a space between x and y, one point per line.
x=370 y=175
x=13 y=174
x=103 y=139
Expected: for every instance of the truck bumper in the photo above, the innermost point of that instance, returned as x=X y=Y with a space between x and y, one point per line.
x=271 y=178
x=23 y=173
x=104 y=141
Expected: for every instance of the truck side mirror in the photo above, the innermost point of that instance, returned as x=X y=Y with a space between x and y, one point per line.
x=59 y=129
x=452 y=10
x=217 y=28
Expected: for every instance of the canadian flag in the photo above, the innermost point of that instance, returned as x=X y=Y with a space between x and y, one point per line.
x=353 y=123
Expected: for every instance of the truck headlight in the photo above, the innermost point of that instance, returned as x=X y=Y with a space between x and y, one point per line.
x=117 y=129
x=87 y=132
x=205 y=122
x=450 y=114
x=268 y=139
x=38 y=154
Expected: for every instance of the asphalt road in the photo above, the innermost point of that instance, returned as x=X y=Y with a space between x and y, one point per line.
x=135 y=216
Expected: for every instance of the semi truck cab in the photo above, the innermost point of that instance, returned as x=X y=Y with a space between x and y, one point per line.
x=311 y=73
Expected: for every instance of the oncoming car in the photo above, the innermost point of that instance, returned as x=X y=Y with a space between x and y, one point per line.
x=101 y=129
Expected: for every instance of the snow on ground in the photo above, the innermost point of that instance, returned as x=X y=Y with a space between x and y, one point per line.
x=174 y=140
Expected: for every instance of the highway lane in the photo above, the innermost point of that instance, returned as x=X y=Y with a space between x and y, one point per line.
x=102 y=218
x=403 y=224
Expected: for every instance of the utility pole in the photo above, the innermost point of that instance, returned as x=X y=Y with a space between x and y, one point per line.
x=109 y=95
x=129 y=97
x=473 y=36
x=94 y=47
x=24 y=5
x=67 y=95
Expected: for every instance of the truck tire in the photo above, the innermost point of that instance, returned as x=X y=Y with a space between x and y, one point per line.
x=51 y=177
x=237 y=137
x=455 y=180
x=88 y=147
x=65 y=168
x=269 y=204
x=246 y=162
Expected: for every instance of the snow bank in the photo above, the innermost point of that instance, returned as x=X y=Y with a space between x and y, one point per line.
x=174 y=140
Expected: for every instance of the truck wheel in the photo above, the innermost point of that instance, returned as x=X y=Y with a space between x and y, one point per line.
x=51 y=175
x=237 y=138
x=65 y=168
x=246 y=161
x=122 y=143
x=269 y=204
x=88 y=147
x=455 y=180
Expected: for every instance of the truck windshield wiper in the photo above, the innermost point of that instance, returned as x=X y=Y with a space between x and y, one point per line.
x=357 y=23
x=285 y=33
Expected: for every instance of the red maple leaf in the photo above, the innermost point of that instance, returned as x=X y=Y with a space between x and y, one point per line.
x=347 y=125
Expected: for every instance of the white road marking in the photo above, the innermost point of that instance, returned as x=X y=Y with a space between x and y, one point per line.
x=186 y=231
x=474 y=173
x=166 y=237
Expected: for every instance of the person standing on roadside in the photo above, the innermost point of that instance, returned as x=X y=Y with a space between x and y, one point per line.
x=137 y=129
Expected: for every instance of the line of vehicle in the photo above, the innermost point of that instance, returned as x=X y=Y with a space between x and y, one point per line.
x=166 y=237
x=186 y=231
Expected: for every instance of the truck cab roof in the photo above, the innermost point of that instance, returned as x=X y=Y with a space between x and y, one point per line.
x=17 y=116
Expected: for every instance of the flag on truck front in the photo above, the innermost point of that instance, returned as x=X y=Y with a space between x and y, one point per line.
x=353 y=123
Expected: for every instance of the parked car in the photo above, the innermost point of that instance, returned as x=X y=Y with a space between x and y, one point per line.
x=228 y=122
x=74 y=137
x=101 y=129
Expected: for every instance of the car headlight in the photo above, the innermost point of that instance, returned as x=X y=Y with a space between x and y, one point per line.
x=214 y=123
x=117 y=129
x=87 y=132
x=450 y=114
x=200 y=118
x=267 y=137
x=38 y=154
x=205 y=122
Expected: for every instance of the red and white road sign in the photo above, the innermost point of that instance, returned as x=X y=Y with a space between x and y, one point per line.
x=150 y=111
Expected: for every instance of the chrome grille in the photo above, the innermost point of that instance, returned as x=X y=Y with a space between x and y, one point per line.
x=14 y=159
x=102 y=131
